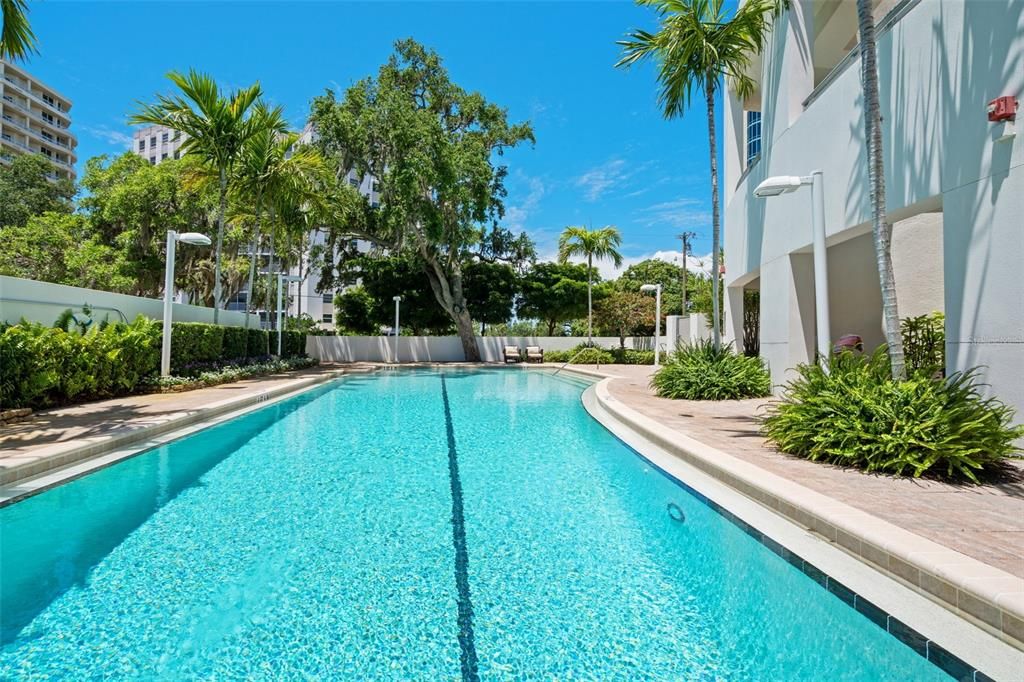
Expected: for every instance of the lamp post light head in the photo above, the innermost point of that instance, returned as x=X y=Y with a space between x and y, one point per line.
x=396 y=299
x=778 y=184
x=196 y=238
x=650 y=287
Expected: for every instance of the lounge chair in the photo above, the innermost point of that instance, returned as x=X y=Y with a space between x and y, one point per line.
x=512 y=354
x=534 y=354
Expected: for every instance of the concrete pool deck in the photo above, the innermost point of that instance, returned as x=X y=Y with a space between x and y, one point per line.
x=959 y=545
x=62 y=436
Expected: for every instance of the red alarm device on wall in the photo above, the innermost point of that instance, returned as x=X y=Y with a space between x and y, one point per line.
x=1002 y=108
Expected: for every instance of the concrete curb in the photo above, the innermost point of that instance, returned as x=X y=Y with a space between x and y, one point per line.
x=982 y=594
x=74 y=451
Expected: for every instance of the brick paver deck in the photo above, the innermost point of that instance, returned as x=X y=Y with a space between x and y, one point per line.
x=984 y=522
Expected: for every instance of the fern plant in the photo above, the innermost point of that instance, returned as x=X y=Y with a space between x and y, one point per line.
x=857 y=415
x=699 y=371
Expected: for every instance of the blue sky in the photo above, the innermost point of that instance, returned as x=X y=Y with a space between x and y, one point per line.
x=604 y=155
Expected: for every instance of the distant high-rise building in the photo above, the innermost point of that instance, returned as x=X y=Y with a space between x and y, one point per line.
x=34 y=119
x=157 y=143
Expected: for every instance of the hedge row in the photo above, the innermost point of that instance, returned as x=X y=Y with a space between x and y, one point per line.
x=595 y=355
x=49 y=366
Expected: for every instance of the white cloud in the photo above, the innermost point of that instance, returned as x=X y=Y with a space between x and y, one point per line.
x=109 y=135
x=679 y=213
x=516 y=216
x=597 y=180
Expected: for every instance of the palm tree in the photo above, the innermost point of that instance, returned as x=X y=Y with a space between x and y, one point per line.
x=216 y=129
x=881 y=228
x=255 y=173
x=601 y=243
x=292 y=176
x=696 y=47
x=17 y=40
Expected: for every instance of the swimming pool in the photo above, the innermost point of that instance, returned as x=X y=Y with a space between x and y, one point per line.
x=412 y=525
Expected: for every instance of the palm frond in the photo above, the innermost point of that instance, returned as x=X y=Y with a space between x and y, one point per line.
x=17 y=40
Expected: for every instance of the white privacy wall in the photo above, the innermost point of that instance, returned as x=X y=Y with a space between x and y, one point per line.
x=443 y=348
x=939 y=64
x=44 y=302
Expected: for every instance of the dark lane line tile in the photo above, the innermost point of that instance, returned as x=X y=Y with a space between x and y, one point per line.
x=467 y=644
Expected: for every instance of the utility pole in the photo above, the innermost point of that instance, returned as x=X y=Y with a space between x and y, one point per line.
x=685 y=237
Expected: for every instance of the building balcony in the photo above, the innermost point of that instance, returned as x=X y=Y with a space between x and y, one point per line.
x=58 y=105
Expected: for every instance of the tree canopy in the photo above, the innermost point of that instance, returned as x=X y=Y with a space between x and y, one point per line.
x=27 y=190
x=432 y=147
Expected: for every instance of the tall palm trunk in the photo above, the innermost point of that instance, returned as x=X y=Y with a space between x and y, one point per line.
x=253 y=257
x=590 y=300
x=220 y=242
x=715 y=228
x=881 y=228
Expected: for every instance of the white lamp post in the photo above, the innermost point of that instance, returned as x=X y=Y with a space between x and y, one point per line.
x=282 y=279
x=396 y=299
x=784 y=184
x=656 y=288
x=172 y=241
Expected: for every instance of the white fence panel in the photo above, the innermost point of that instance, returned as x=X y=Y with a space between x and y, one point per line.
x=44 y=302
x=444 y=348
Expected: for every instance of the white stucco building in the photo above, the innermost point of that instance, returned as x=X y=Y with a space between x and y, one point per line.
x=955 y=190
x=157 y=143
x=35 y=119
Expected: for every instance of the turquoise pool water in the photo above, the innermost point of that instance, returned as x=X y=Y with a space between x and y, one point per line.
x=411 y=525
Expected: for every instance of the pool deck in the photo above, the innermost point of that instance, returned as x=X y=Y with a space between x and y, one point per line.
x=62 y=436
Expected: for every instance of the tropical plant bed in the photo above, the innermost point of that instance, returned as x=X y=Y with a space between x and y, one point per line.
x=700 y=371
x=856 y=415
x=223 y=375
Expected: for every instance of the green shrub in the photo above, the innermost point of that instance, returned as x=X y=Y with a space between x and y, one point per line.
x=856 y=415
x=234 y=344
x=588 y=355
x=194 y=342
x=699 y=372
x=46 y=366
x=272 y=342
x=258 y=343
x=225 y=374
x=629 y=356
x=30 y=371
x=293 y=344
x=924 y=343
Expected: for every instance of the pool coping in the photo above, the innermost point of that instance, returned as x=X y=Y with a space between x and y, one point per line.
x=979 y=593
x=74 y=458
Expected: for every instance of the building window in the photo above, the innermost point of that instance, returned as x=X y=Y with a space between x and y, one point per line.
x=163 y=156
x=328 y=298
x=354 y=182
x=152 y=160
x=327 y=318
x=152 y=141
x=376 y=186
x=163 y=138
x=177 y=155
x=49 y=100
x=177 y=135
x=374 y=204
x=142 y=145
x=753 y=135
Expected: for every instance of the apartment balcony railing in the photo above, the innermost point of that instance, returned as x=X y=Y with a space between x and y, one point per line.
x=17 y=143
x=24 y=87
x=883 y=26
